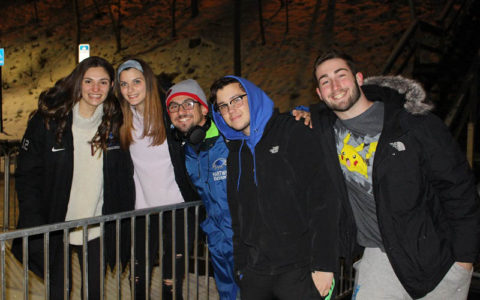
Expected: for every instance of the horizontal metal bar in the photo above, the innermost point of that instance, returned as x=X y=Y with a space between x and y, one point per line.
x=93 y=220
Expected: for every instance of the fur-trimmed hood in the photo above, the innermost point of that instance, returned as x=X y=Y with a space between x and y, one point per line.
x=415 y=96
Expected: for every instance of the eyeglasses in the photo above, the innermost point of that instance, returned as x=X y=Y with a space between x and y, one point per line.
x=235 y=103
x=186 y=105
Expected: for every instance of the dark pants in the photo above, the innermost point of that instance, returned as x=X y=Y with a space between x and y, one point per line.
x=295 y=284
x=180 y=254
x=56 y=273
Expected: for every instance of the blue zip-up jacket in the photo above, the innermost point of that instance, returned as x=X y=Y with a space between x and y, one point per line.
x=207 y=167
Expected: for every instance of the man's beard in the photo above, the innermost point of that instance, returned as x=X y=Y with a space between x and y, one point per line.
x=186 y=128
x=342 y=107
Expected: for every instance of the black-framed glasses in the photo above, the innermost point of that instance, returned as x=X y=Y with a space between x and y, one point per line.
x=235 y=103
x=188 y=104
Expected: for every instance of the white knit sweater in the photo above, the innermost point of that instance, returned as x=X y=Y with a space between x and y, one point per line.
x=86 y=194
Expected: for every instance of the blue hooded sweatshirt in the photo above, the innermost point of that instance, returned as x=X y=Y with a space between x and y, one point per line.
x=261 y=110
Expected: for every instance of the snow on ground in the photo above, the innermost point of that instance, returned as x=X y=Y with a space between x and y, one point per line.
x=38 y=54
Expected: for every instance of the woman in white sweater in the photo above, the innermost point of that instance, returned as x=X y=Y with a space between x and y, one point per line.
x=71 y=167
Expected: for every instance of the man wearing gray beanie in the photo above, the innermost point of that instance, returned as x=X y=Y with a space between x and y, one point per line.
x=205 y=159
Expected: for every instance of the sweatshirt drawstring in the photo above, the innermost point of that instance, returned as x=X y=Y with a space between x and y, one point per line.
x=239 y=165
x=254 y=168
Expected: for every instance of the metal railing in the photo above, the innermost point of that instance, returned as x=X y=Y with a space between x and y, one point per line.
x=66 y=227
x=8 y=152
x=193 y=287
x=198 y=283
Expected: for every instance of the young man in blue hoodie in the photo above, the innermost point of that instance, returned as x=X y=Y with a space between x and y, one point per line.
x=283 y=220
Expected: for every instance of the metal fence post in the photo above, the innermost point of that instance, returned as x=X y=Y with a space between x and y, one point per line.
x=6 y=191
x=2 y=270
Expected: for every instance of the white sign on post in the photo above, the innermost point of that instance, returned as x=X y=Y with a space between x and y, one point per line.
x=83 y=51
x=2 y=56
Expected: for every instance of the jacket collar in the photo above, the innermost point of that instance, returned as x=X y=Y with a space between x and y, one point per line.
x=414 y=96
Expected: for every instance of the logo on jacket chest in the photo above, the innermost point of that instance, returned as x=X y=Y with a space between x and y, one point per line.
x=219 y=167
x=399 y=146
x=274 y=149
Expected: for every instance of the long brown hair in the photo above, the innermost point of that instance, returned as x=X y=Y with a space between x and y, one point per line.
x=56 y=103
x=153 y=125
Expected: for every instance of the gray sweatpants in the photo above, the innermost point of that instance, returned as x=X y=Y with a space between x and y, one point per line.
x=375 y=279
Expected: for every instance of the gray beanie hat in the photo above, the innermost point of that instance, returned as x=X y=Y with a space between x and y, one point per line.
x=131 y=63
x=189 y=88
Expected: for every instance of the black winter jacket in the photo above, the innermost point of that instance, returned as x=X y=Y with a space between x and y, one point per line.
x=427 y=205
x=289 y=220
x=43 y=180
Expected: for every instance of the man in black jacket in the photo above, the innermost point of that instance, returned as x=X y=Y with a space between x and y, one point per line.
x=407 y=193
x=283 y=218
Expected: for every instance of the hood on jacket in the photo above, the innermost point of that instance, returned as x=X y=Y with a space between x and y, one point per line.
x=415 y=96
x=261 y=110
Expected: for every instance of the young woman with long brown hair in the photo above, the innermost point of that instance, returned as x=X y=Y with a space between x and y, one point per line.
x=71 y=167
x=160 y=176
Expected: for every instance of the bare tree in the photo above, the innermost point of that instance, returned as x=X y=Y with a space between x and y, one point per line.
x=78 y=32
x=328 y=35
x=116 y=23
x=97 y=7
x=260 y=19
x=173 y=11
x=237 y=17
x=35 y=9
x=412 y=9
x=286 y=15
x=194 y=5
